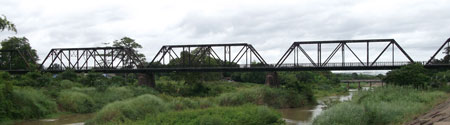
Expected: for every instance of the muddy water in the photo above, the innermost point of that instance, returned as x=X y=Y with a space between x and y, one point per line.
x=305 y=115
x=72 y=119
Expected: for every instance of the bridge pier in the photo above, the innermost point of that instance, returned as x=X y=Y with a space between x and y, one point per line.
x=272 y=79
x=147 y=79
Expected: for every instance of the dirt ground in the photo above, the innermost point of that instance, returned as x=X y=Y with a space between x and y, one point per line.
x=439 y=115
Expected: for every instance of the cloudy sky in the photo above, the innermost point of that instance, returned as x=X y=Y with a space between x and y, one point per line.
x=420 y=26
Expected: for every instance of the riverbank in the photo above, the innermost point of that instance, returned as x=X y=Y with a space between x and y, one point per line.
x=439 y=115
x=387 y=105
x=234 y=95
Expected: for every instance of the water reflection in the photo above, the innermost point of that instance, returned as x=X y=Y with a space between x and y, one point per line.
x=305 y=115
x=72 y=119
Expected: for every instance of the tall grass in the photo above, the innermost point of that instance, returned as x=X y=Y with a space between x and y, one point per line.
x=274 y=97
x=381 y=106
x=241 y=115
x=30 y=103
x=113 y=93
x=131 y=109
x=75 y=102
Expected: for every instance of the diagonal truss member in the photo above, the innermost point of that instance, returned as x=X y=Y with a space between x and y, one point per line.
x=296 y=47
x=8 y=61
x=440 y=48
x=91 y=58
x=207 y=50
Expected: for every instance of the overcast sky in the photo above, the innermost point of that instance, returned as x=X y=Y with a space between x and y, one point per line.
x=420 y=26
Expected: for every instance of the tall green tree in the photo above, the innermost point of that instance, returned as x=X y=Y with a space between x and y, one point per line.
x=127 y=42
x=18 y=62
x=409 y=75
x=202 y=59
x=5 y=24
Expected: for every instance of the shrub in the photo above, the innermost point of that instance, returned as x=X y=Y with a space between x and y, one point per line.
x=68 y=75
x=75 y=102
x=343 y=114
x=242 y=115
x=35 y=79
x=131 y=109
x=382 y=106
x=180 y=103
x=67 y=84
x=274 y=97
x=30 y=103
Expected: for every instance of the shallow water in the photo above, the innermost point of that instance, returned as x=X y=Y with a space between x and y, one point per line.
x=305 y=115
x=71 y=119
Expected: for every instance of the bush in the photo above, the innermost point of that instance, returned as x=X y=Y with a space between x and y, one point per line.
x=131 y=109
x=175 y=88
x=67 y=84
x=343 y=114
x=382 y=106
x=180 y=103
x=274 y=97
x=68 y=75
x=242 y=115
x=35 y=79
x=75 y=102
x=30 y=103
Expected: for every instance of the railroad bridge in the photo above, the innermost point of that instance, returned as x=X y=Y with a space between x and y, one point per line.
x=233 y=57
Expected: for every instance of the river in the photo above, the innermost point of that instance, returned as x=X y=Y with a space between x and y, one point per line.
x=305 y=115
x=70 y=119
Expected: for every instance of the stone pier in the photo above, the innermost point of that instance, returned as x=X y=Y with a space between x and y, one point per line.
x=147 y=79
x=272 y=79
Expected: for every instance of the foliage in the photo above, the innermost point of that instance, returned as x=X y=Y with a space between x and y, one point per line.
x=242 y=115
x=412 y=74
x=29 y=103
x=274 y=97
x=131 y=109
x=343 y=114
x=127 y=42
x=93 y=79
x=17 y=62
x=35 y=79
x=175 y=88
x=5 y=24
x=67 y=84
x=381 y=106
x=75 y=102
x=68 y=75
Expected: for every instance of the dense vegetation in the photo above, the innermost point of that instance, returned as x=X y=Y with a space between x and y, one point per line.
x=412 y=90
x=381 y=106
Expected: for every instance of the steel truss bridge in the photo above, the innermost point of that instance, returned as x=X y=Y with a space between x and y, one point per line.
x=235 y=57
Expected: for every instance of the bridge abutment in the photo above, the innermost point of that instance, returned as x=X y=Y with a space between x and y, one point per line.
x=272 y=79
x=147 y=79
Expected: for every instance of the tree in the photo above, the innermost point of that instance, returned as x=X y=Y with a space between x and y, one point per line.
x=202 y=59
x=5 y=24
x=22 y=45
x=412 y=74
x=127 y=42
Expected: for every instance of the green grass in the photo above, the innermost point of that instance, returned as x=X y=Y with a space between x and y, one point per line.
x=131 y=109
x=274 y=97
x=390 y=105
x=241 y=115
x=30 y=103
x=75 y=102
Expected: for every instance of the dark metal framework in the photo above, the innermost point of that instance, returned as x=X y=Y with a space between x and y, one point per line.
x=91 y=58
x=440 y=48
x=6 y=59
x=209 y=50
x=296 y=47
